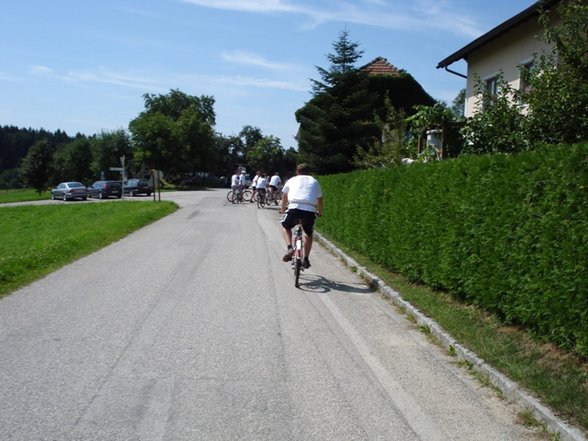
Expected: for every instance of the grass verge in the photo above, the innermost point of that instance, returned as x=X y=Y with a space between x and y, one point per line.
x=22 y=195
x=558 y=378
x=37 y=240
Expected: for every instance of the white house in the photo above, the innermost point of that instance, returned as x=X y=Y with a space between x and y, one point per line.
x=507 y=48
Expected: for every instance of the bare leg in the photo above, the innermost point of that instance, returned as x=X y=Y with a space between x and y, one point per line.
x=287 y=236
x=307 y=245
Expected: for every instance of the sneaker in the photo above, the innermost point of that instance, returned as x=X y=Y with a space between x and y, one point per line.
x=306 y=263
x=288 y=256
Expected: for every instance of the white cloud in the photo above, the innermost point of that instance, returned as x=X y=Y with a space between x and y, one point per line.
x=253 y=59
x=262 y=83
x=106 y=76
x=41 y=70
x=163 y=81
x=262 y=6
x=418 y=15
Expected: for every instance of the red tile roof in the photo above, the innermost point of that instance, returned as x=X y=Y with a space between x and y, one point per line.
x=380 y=66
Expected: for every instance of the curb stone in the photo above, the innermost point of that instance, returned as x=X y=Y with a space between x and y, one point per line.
x=506 y=386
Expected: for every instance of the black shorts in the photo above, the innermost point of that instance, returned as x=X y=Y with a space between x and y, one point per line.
x=292 y=216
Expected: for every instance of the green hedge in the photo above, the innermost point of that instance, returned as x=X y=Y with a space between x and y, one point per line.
x=507 y=233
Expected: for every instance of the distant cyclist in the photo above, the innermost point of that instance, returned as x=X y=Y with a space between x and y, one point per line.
x=303 y=198
x=274 y=185
x=262 y=184
x=235 y=182
x=254 y=184
x=242 y=180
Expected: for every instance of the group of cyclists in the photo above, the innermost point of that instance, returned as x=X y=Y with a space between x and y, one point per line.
x=301 y=202
x=260 y=185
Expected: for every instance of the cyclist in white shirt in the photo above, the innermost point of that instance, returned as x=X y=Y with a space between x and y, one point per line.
x=274 y=184
x=254 y=185
x=235 y=181
x=303 y=197
x=262 y=184
x=242 y=180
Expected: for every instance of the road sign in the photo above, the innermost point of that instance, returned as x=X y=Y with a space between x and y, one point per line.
x=116 y=169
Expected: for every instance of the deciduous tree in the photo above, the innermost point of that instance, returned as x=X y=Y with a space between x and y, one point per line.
x=557 y=98
x=107 y=149
x=36 y=168
x=73 y=161
x=392 y=147
x=267 y=154
x=498 y=126
x=175 y=133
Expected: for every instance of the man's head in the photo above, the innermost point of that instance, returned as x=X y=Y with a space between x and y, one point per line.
x=303 y=169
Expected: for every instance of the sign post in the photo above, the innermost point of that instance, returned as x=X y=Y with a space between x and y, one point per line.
x=122 y=172
x=122 y=162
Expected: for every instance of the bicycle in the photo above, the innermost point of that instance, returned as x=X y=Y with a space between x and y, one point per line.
x=239 y=196
x=271 y=197
x=298 y=257
x=246 y=194
x=260 y=198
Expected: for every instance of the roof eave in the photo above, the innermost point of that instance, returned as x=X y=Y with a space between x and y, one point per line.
x=521 y=17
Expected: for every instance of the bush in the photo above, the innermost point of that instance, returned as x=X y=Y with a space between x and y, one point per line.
x=507 y=233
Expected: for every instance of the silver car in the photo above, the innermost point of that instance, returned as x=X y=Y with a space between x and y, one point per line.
x=70 y=190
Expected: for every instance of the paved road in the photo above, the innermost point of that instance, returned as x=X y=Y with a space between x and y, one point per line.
x=191 y=329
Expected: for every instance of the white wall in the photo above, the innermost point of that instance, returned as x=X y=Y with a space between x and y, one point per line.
x=505 y=53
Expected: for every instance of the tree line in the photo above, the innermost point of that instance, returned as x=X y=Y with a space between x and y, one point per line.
x=175 y=134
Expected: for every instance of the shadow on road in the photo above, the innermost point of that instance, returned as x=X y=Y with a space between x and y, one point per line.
x=320 y=284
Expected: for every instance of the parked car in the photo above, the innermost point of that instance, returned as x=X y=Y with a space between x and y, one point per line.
x=70 y=190
x=105 y=189
x=133 y=187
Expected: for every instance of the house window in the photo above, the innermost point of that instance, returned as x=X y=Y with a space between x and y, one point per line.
x=491 y=88
x=525 y=81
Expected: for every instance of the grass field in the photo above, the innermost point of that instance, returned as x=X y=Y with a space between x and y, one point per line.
x=36 y=240
x=22 y=195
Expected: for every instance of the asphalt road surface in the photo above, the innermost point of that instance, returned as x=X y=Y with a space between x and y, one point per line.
x=192 y=329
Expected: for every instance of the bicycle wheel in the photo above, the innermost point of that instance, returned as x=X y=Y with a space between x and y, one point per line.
x=247 y=195
x=231 y=196
x=297 y=269
x=298 y=256
x=269 y=197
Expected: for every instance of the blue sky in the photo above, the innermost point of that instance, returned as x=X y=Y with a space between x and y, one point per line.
x=84 y=65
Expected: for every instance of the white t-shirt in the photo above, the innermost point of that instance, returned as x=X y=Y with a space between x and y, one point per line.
x=254 y=182
x=261 y=183
x=303 y=192
x=275 y=181
x=235 y=180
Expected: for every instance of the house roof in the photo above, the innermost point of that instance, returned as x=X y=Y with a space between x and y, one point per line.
x=380 y=66
x=529 y=13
